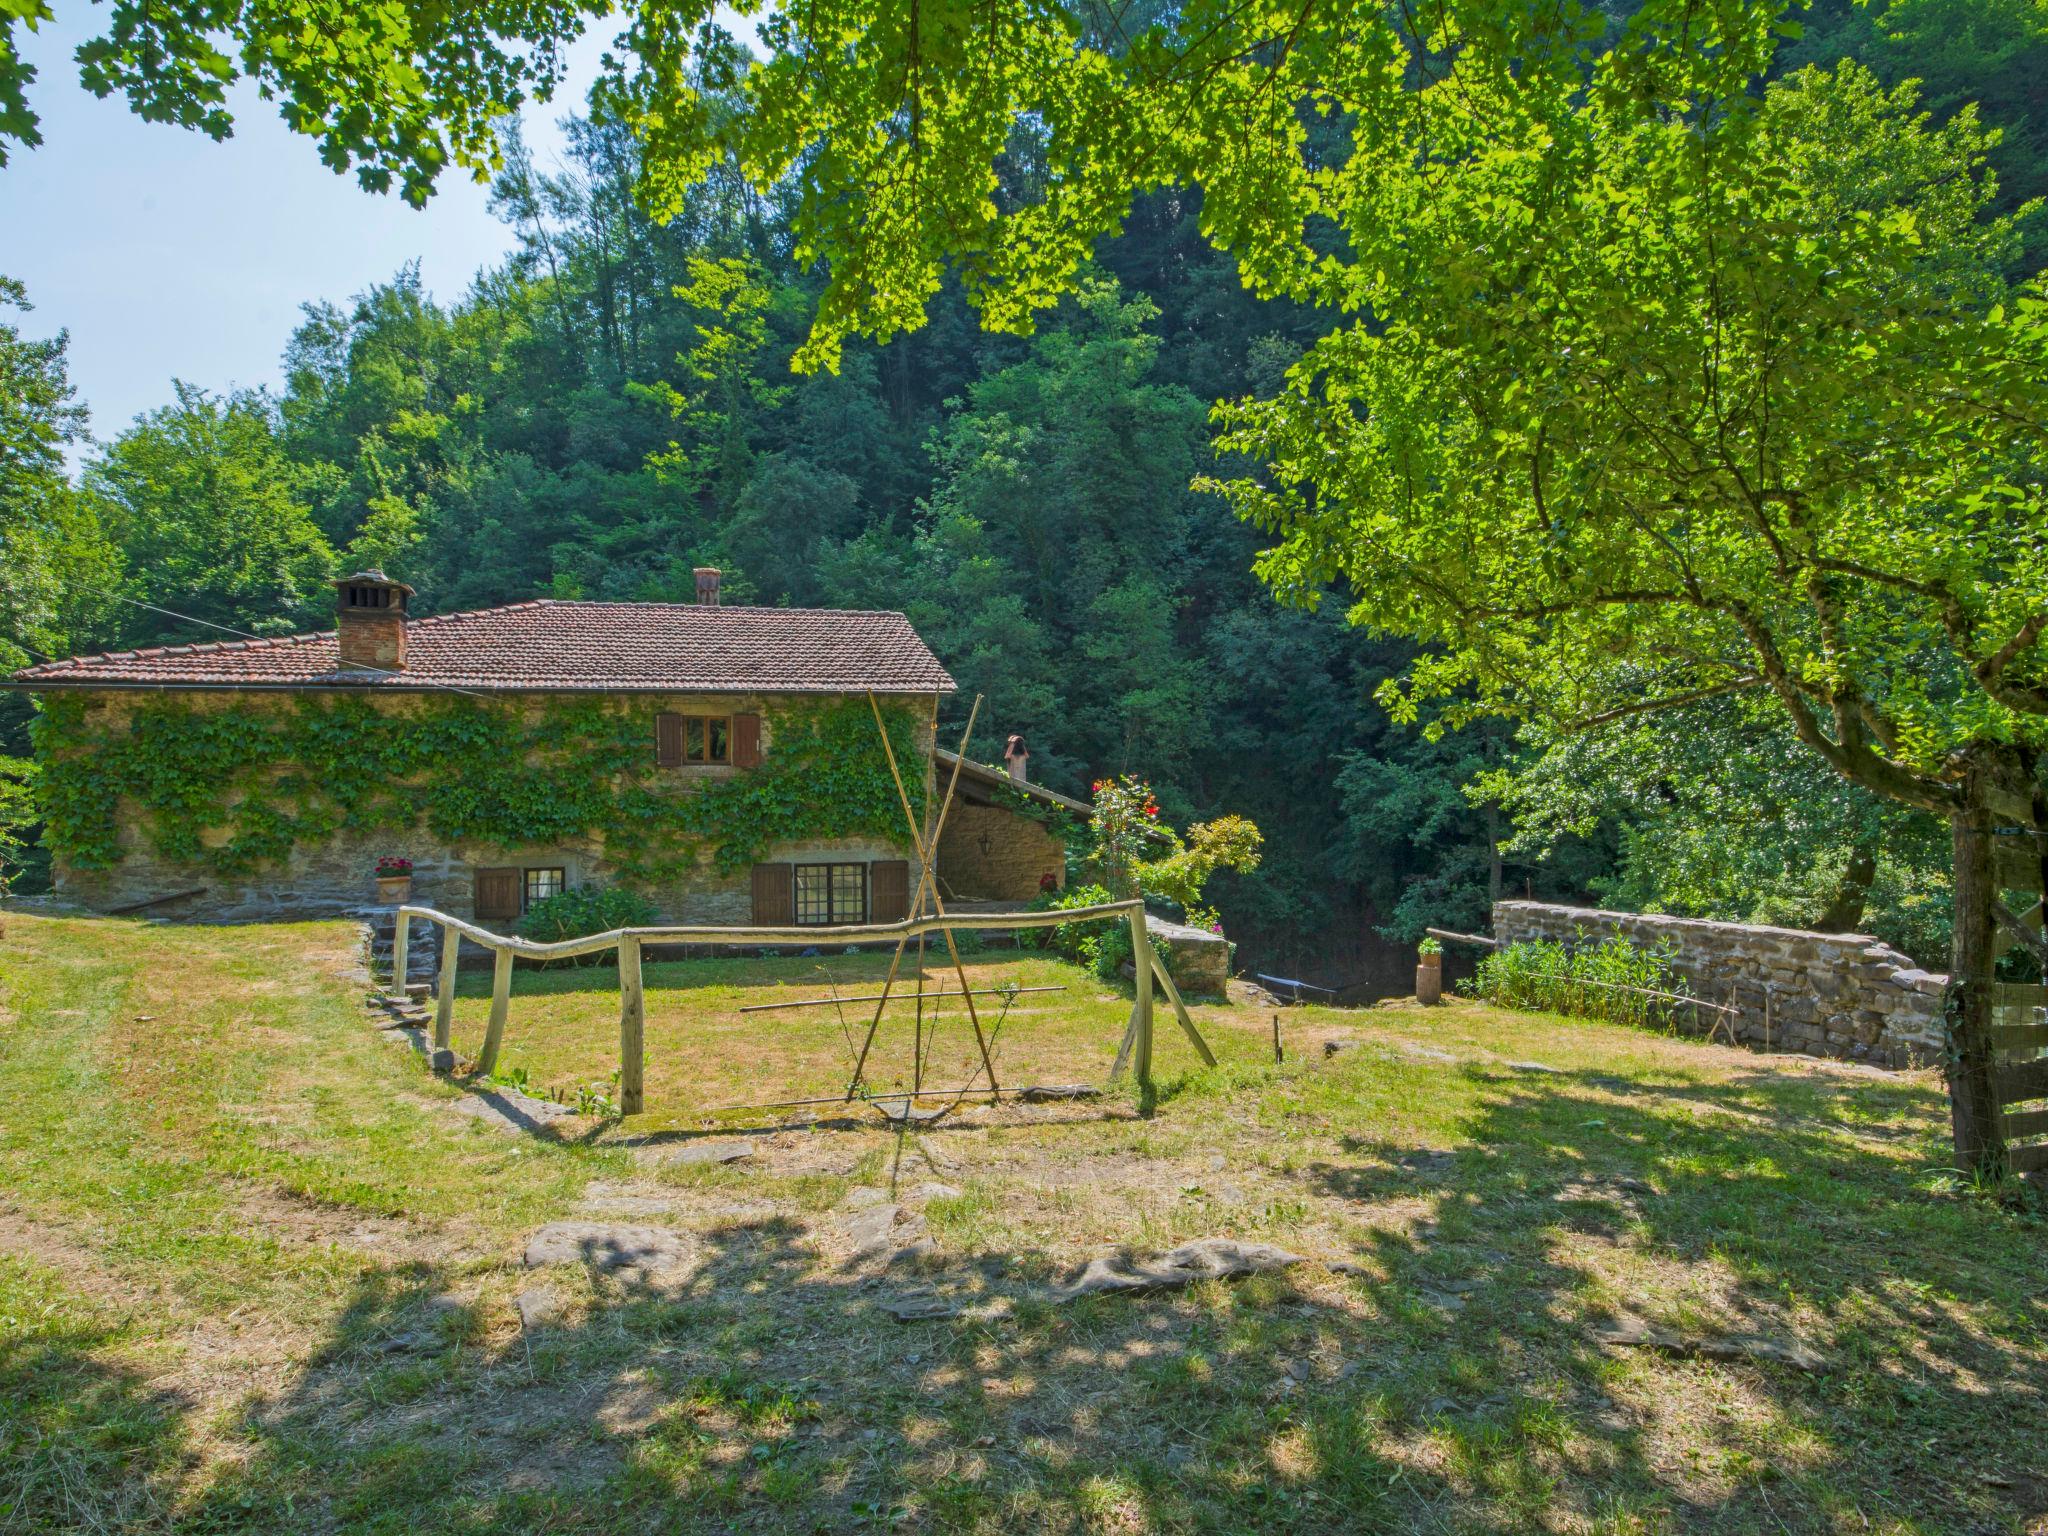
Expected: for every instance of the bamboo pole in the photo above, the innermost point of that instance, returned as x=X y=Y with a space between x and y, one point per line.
x=501 y=1005
x=632 y=1030
x=444 y=1005
x=869 y=997
x=927 y=872
x=399 y=936
x=928 y=875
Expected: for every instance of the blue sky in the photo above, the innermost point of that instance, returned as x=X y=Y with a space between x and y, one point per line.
x=168 y=255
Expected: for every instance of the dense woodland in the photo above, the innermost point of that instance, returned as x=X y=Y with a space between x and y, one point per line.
x=615 y=405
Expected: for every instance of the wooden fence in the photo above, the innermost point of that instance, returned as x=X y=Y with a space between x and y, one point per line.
x=1136 y=1050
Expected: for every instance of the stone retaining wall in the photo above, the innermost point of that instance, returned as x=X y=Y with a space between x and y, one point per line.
x=1829 y=994
x=1198 y=960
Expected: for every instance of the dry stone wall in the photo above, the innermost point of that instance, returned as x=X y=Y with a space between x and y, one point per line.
x=1825 y=994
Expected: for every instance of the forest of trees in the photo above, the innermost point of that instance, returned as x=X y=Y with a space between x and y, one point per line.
x=614 y=405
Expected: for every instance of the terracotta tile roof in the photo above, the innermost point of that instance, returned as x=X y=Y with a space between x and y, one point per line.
x=547 y=645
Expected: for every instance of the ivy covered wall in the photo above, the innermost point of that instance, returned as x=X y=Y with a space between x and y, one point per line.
x=257 y=791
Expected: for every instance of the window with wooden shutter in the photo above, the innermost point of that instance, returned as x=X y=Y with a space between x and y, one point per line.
x=746 y=741
x=889 y=890
x=774 y=895
x=497 y=894
x=668 y=740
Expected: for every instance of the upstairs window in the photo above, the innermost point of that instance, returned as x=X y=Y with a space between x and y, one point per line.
x=680 y=739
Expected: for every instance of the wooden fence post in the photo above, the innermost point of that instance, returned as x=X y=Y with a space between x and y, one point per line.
x=501 y=1004
x=444 y=1005
x=632 y=1029
x=1141 y=964
x=399 y=935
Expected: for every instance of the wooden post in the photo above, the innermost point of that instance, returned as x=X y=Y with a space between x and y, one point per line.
x=1277 y=1056
x=444 y=1005
x=501 y=1004
x=632 y=1030
x=399 y=935
x=1141 y=957
x=1180 y=1009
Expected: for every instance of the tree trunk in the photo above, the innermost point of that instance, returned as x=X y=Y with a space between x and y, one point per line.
x=1845 y=911
x=1973 y=1107
x=1493 y=869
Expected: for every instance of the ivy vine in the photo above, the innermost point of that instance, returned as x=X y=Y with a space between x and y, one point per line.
x=234 y=790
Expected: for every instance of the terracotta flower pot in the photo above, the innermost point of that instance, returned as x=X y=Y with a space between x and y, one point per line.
x=394 y=890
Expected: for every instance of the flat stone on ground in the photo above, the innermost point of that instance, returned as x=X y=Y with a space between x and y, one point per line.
x=606 y=1245
x=886 y=1232
x=694 y=1154
x=538 y=1308
x=507 y=1109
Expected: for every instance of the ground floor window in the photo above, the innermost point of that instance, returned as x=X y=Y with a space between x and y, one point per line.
x=831 y=893
x=541 y=884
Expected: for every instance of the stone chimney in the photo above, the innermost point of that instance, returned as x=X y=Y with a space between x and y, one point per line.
x=1016 y=756
x=369 y=620
x=707 y=585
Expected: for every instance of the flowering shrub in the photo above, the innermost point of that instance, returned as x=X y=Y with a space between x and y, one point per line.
x=1126 y=822
x=1136 y=853
x=393 y=865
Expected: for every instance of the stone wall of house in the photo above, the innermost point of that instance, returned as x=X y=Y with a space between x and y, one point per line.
x=990 y=853
x=338 y=876
x=1825 y=994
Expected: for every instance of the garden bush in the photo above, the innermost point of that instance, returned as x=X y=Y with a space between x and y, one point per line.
x=586 y=909
x=1101 y=944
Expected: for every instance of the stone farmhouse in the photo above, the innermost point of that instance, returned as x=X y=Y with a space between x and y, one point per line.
x=724 y=761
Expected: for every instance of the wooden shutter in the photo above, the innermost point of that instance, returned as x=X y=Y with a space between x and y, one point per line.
x=774 y=895
x=668 y=740
x=497 y=894
x=888 y=890
x=746 y=741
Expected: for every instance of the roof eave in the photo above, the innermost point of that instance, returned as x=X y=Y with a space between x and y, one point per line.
x=151 y=685
x=1002 y=780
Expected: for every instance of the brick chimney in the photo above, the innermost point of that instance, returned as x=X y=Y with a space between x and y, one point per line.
x=1016 y=756
x=707 y=585
x=369 y=620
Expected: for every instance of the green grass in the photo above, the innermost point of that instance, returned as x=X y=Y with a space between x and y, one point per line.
x=255 y=1274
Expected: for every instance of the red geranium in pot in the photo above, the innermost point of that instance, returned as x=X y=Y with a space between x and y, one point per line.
x=394 y=879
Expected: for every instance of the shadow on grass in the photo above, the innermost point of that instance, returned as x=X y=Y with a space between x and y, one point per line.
x=1450 y=1378
x=86 y=1443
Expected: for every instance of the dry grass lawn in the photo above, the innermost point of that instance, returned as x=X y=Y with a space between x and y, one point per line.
x=258 y=1272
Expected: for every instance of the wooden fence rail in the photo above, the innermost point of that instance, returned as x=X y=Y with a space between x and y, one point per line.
x=505 y=948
